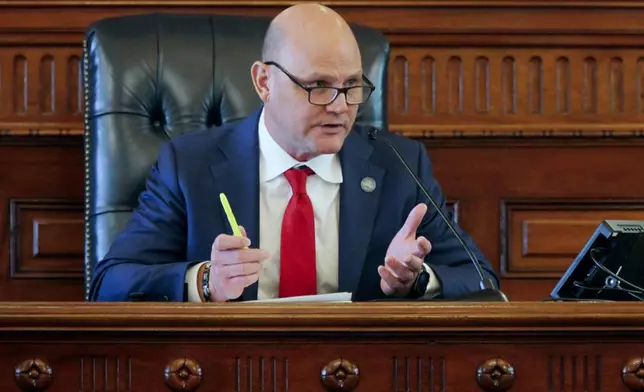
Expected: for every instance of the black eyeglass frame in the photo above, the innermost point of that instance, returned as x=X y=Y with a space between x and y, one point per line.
x=338 y=90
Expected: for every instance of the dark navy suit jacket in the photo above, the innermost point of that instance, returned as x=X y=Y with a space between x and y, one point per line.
x=179 y=215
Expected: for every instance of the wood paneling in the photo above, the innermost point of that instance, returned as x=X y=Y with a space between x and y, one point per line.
x=46 y=239
x=425 y=347
x=41 y=236
x=40 y=90
x=532 y=113
x=502 y=184
x=539 y=238
x=514 y=91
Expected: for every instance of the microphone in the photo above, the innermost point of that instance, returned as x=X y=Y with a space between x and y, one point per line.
x=488 y=290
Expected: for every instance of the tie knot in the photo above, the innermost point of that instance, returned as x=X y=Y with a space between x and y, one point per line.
x=296 y=176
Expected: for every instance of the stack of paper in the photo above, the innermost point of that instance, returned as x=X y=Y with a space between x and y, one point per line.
x=334 y=297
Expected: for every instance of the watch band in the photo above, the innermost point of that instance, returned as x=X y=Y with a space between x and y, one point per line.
x=419 y=287
x=205 y=284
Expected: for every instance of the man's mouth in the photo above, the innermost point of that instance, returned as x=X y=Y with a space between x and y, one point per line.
x=333 y=125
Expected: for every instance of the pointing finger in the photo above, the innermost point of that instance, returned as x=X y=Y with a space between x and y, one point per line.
x=413 y=220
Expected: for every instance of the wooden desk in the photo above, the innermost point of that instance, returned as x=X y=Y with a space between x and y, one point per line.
x=331 y=347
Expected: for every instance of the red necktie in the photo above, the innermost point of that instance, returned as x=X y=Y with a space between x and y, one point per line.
x=297 y=253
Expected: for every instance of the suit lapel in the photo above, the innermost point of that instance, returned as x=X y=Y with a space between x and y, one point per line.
x=237 y=175
x=358 y=208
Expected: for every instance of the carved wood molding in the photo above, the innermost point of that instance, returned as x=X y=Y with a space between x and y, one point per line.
x=515 y=74
x=33 y=375
x=261 y=373
x=335 y=3
x=556 y=131
x=495 y=375
x=421 y=132
x=519 y=317
x=40 y=132
x=633 y=374
x=340 y=375
x=183 y=374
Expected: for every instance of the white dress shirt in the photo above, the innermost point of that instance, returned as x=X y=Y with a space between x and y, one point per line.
x=323 y=189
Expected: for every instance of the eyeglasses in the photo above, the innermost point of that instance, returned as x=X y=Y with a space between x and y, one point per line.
x=322 y=96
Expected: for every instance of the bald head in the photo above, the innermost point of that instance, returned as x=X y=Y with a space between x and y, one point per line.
x=303 y=26
x=309 y=53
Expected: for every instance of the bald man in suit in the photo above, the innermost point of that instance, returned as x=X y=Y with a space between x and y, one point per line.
x=322 y=208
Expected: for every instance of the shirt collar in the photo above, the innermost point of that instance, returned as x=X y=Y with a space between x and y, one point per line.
x=274 y=160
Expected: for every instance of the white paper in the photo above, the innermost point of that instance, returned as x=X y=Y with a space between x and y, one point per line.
x=334 y=297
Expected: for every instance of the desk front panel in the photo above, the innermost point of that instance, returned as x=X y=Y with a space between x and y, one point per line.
x=343 y=347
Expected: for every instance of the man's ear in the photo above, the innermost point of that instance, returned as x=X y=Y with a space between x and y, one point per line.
x=259 y=73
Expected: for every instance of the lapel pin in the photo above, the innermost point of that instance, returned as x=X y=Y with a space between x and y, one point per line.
x=368 y=184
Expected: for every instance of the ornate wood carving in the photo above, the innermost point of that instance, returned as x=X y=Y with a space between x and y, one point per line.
x=524 y=335
x=340 y=375
x=261 y=374
x=548 y=76
x=419 y=374
x=495 y=375
x=575 y=372
x=33 y=375
x=461 y=90
x=183 y=375
x=105 y=373
x=633 y=374
x=42 y=83
x=432 y=346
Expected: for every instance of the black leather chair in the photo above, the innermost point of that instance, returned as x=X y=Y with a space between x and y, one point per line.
x=151 y=77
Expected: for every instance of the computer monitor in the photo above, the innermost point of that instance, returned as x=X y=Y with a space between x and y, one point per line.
x=609 y=267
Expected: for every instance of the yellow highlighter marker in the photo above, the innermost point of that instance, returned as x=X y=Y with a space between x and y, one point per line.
x=229 y=215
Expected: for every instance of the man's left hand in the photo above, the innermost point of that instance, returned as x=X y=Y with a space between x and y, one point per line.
x=405 y=256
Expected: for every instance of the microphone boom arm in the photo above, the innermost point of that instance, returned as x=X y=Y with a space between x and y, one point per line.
x=486 y=283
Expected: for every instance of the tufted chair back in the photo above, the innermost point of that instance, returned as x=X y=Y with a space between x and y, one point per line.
x=151 y=77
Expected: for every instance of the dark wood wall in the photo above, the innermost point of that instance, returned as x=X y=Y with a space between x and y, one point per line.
x=533 y=113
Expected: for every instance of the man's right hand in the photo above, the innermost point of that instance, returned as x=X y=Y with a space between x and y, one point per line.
x=234 y=266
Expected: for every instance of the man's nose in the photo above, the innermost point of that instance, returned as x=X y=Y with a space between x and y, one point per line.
x=339 y=104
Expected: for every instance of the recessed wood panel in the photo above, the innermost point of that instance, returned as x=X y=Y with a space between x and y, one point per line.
x=58 y=236
x=41 y=223
x=541 y=238
x=46 y=239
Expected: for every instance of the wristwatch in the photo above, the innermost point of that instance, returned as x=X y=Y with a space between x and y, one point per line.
x=205 y=283
x=419 y=287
